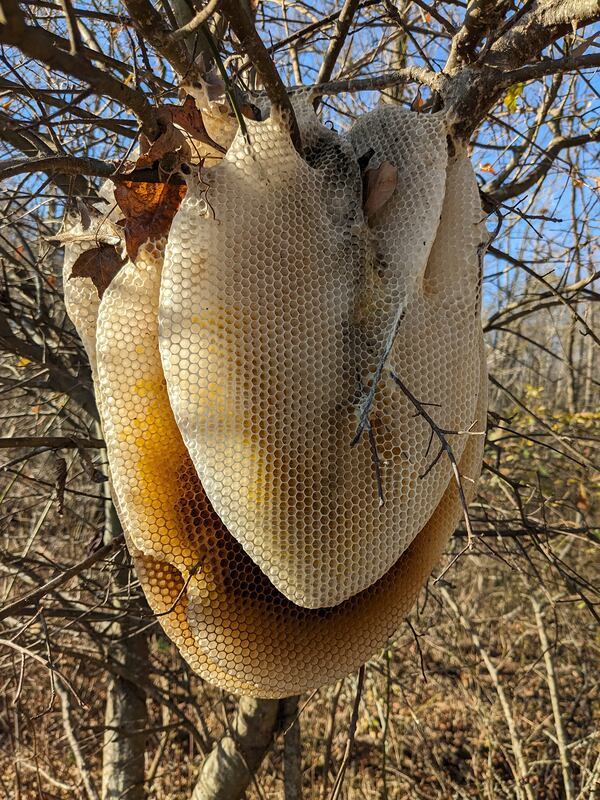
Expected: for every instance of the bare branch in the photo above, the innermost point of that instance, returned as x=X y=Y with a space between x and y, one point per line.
x=337 y=40
x=67 y=716
x=36 y=595
x=72 y=26
x=53 y=442
x=57 y=165
x=339 y=780
x=242 y=25
x=561 y=737
x=543 y=23
x=537 y=173
x=480 y=16
x=405 y=75
x=37 y=43
x=199 y=19
x=549 y=66
x=151 y=25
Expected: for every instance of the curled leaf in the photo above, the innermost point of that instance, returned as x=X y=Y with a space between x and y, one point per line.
x=171 y=140
x=189 y=117
x=149 y=209
x=90 y=469
x=101 y=264
x=379 y=186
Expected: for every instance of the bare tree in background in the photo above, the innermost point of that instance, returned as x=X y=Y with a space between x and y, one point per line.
x=96 y=703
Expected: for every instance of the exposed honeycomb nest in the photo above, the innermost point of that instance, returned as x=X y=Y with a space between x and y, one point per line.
x=256 y=528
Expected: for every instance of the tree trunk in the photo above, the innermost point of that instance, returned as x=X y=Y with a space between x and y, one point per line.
x=292 y=749
x=126 y=715
x=234 y=761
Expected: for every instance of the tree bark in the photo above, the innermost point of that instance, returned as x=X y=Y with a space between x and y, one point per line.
x=292 y=749
x=234 y=761
x=126 y=717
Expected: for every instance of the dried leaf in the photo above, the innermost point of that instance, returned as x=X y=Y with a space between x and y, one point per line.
x=90 y=469
x=177 y=122
x=189 y=117
x=487 y=167
x=149 y=209
x=380 y=185
x=101 y=264
x=418 y=102
x=86 y=211
x=170 y=141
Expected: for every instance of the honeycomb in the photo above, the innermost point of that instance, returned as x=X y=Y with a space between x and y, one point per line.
x=277 y=303
x=266 y=364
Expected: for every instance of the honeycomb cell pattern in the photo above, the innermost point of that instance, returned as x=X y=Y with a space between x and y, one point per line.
x=229 y=617
x=277 y=302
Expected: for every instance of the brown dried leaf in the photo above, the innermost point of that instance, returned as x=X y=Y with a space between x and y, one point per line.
x=90 y=469
x=189 y=117
x=178 y=123
x=170 y=141
x=380 y=185
x=101 y=264
x=149 y=209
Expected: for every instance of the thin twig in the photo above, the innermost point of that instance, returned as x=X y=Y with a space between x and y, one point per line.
x=67 y=717
x=33 y=597
x=338 y=39
x=196 y=22
x=446 y=447
x=337 y=786
x=384 y=81
x=561 y=739
x=53 y=442
x=72 y=26
x=522 y=768
x=251 y=44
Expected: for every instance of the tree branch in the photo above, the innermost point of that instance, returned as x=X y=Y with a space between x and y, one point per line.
x=540 y=26
x=53 y=442
x=150 y=23
x=480 y=16
x=405 y=75
x=251 y=44
x=37 y=43
x=61 y=165
x=233 y=762
x=33 y=597
x=59 y=378
x=74 y=165
x=336 y=43
x=549 y=66
x=196 y=22
x=540 y=170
